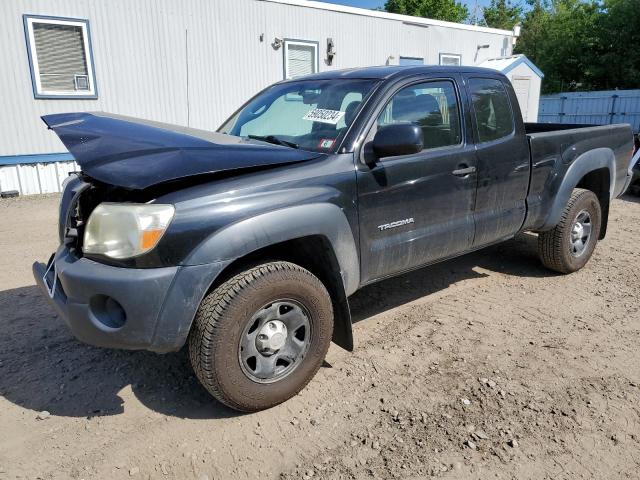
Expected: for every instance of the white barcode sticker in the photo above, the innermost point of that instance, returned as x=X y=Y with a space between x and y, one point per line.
x=323 y=115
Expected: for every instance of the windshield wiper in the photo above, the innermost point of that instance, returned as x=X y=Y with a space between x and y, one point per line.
x=273 y=139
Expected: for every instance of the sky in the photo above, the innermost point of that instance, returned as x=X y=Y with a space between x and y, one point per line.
x=380 y=3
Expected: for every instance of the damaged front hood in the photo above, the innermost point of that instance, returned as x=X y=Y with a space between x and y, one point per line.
x=136 y=154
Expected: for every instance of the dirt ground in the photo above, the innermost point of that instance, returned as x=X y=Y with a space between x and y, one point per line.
x=487 y=366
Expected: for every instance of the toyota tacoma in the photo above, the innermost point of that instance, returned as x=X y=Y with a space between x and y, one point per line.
x=245 y=243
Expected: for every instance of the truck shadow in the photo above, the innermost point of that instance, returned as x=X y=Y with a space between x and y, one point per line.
x=42 y=367
x=517 y=257
x=628 y=197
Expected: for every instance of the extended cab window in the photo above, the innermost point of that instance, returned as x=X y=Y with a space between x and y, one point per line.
x=491 y=107
x=307 y=114
x=431 y=105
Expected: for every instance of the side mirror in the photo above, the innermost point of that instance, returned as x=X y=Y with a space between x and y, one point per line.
x=398 y=139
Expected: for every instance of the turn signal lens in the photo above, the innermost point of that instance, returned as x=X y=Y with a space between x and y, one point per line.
x=149 y=239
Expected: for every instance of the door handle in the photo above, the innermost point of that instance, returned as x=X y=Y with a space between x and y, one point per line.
x=463 y=172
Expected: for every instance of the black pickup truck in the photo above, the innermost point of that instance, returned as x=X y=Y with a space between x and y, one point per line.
x=245 y=243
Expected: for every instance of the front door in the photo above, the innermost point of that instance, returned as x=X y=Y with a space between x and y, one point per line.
x=416 y=209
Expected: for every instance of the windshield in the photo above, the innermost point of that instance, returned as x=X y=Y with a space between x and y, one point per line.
x=311 y=115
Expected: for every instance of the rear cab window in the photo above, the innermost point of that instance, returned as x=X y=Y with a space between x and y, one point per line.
x=491 y=109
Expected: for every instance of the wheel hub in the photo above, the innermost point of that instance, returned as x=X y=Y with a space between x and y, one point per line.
x=275 y=341
x=580 y=233
x=578 y=230
x=271 y=337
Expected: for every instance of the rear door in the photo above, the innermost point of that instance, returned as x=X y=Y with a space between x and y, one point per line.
x=503 y=160
x=415 y=209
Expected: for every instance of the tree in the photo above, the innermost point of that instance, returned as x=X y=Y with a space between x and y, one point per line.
x=532 y=35
x=561 y=38
x=502 y=14
x=618 y=30
x=448 y=10
x=583 y=44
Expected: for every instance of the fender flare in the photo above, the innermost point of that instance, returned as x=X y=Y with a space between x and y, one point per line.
x=289 y=223
x=587 y=162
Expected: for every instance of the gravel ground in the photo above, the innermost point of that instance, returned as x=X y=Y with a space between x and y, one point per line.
x=487 y=366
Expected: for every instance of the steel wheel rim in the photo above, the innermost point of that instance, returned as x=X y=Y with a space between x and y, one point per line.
x=268 y=360
x=580 y=233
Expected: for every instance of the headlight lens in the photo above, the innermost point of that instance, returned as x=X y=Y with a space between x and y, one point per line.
x=125 y=230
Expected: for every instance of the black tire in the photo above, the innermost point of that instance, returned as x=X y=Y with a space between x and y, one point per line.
x=555 y=246
x=221 y=323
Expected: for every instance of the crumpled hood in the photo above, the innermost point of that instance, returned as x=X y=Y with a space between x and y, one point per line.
x=136 y=154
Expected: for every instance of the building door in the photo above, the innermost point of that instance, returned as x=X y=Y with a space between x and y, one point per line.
x=522 y=86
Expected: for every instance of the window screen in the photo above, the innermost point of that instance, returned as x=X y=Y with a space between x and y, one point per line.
x=492 y=110
x=60 y=57
x=431 y=105
x=450 y=59
x=301 y=58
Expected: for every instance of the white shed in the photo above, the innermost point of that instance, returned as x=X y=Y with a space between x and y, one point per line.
x=526 y=79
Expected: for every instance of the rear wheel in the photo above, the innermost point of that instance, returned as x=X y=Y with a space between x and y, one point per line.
x=569 y=245
x=261 y=336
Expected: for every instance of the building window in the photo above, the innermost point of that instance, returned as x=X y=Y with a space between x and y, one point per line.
x=450 y=59
x=411 y=61
x=60 y=57
x=300 y=58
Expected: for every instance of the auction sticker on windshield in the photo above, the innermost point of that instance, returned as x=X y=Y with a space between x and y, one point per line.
x=326 y=143
x=323 y=115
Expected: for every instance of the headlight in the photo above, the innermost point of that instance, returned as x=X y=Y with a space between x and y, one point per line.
x=125 y=230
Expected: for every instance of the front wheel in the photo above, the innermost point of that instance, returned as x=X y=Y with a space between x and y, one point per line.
x=569 y=245
x=261 y=336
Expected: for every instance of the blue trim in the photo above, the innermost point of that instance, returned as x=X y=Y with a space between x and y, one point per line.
x=36 y=158
x=527 y=62
x=36 y=95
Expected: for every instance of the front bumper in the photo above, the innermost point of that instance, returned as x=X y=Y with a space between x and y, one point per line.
x=114 y=307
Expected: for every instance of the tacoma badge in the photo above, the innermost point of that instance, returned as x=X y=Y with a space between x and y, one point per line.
x=395 y=224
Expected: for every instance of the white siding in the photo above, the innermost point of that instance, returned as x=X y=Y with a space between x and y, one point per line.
x=35 y=178
x=193 y=62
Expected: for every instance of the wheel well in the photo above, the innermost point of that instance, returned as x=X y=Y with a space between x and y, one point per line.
x=599 y=182
x=315 y=254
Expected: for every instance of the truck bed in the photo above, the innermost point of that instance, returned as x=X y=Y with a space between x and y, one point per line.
x=555 y=148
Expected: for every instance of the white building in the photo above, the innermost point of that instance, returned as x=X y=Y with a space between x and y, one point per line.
x=188 y=62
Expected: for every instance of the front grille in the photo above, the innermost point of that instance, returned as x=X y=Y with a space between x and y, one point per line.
x=70 y=221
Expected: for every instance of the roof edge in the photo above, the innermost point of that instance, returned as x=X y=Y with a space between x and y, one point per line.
x=517 y=59
x=388 y=16
x=523 y=59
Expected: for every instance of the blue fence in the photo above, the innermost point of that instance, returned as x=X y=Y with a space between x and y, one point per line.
x=596 y=108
